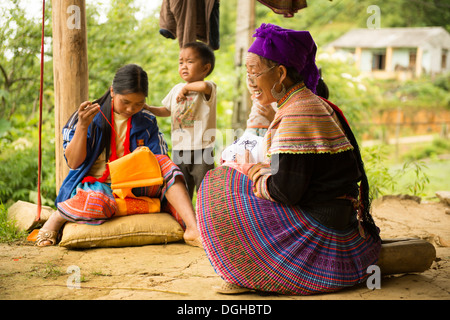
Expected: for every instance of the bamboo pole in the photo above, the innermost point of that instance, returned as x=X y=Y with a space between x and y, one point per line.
x=70 y=69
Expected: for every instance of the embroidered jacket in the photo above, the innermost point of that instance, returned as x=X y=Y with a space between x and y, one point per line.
x=311 y=158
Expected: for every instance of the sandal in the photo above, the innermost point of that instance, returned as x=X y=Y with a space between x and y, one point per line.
x=197 y=242
x=46 y=235
x=231 y=288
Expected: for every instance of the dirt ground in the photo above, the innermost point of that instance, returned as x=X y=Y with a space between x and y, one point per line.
x=177 y=271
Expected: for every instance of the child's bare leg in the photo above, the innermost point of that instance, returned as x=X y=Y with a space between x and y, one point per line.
x=178 y=197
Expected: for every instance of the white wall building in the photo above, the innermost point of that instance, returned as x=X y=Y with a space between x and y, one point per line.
x=397 y=52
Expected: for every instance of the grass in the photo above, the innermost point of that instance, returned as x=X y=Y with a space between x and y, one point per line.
x=419 y=169
x=49 y=270
x=8 y=229
x=438 y=173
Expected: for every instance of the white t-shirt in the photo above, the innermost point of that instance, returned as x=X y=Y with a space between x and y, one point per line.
x=193 y=120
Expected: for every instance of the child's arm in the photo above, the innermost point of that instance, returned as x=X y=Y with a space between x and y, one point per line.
x=198 y=86
x=158 y=111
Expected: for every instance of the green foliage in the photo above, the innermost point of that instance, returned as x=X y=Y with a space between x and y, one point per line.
x=417 y=93
x=416 y=186
x=437 y=147
x=8 y=229
x=383 y=179
x=19 y=157
x=19 y=61
x=443 y=82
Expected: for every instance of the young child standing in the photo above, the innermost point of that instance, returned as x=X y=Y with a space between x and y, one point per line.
x=192 y=107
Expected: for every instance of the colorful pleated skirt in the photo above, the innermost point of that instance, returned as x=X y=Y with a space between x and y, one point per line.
x=267 y=246
x=94 y=203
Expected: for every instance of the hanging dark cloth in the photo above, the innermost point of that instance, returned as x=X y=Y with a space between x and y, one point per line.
x=285 y=7
x=190 y=20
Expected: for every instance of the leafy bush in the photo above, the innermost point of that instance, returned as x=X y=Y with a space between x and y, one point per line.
x=19 y=156
x=384 y=179
x=8 y=229
x=438 y=146
x=381 y=181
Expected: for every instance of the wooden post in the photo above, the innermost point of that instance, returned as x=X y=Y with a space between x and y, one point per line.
x=419 y=56
x=70 y=69
x=389 y=56
x=245 y=27
x=358 y=55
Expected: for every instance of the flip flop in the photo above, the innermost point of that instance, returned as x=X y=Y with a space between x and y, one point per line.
x=197 y=242
x=231 y=288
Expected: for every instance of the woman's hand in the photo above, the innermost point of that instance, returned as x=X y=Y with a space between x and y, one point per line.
x=267 y=112
x=242 y=163
x=245 y=158
x=76 y=150
x=86 y=113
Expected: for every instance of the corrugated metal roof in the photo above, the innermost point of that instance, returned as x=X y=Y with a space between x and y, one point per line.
x=393 y=37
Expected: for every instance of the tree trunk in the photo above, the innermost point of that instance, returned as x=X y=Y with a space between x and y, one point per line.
x=70 y=69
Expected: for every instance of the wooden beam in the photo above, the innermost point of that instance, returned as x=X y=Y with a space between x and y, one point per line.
x=70 y=69
x=245 y=27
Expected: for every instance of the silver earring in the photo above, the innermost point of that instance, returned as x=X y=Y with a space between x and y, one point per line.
x=278 y=95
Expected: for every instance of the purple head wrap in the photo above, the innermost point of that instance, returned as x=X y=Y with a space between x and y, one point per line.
x=289 y=48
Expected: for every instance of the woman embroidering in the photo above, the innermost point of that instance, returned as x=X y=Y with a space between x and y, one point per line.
x=105 y=130
x=299 y=222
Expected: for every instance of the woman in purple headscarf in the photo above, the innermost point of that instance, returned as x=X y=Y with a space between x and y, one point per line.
x=299 y=222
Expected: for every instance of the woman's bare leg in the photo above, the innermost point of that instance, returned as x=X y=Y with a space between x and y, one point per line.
x=178 y=197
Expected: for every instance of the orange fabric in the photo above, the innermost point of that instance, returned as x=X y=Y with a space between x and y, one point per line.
x=33 y=235
x=129 y=206
x=137 y=169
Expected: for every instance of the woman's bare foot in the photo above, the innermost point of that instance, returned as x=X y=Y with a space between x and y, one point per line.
x=192 y=238
x=178 y=197
x=48 y=234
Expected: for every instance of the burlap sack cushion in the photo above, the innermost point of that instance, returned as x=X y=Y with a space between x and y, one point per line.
x=134 y=230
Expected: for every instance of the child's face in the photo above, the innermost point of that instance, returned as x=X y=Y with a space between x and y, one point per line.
x=191 y=67
x=129 y=104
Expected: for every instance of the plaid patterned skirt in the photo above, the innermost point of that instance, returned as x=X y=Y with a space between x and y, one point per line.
x=94 y=203
x=271 y=247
